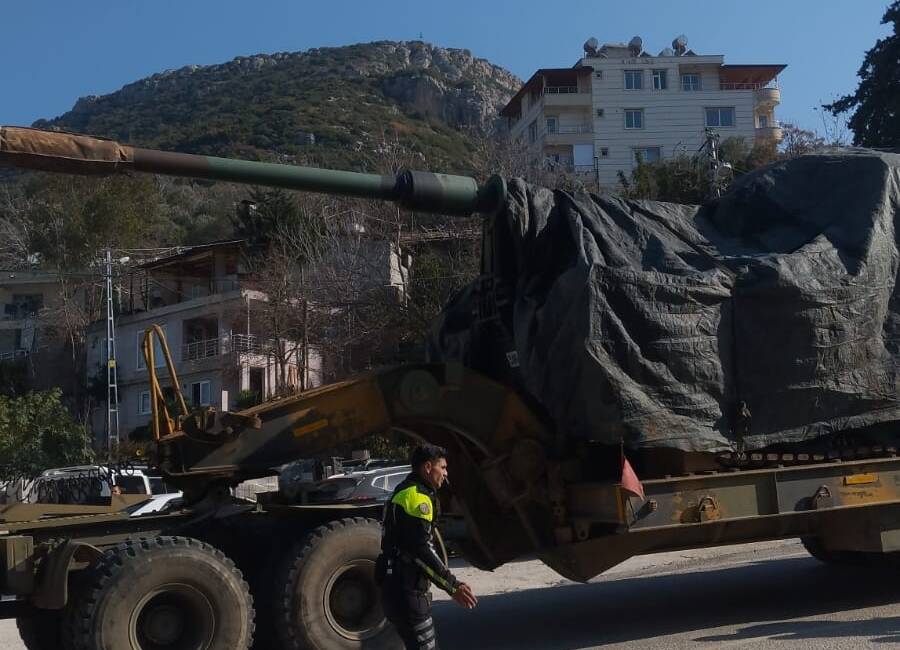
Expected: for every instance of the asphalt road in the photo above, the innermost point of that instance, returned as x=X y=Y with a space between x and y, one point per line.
x=753 y=596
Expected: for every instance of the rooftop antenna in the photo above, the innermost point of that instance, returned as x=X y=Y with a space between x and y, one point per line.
x=636 y=45
x=680 y=45
x=590 y=46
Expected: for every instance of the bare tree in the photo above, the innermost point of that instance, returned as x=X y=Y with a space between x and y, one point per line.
x=798 y=142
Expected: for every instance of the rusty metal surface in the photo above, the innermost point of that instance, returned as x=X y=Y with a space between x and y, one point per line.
x=765 y=492
x=21 y=512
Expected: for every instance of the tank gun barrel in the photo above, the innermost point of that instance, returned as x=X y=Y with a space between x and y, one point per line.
x=70 y=153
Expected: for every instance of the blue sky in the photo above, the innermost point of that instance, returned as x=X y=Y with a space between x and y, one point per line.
x=56 y=51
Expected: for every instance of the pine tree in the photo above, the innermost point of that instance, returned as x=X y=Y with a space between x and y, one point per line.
x=876 y=103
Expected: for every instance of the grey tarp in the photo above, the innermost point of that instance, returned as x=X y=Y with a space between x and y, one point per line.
x=768 y=316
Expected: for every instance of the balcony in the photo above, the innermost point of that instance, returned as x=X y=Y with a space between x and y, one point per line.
x=251 y=344
x=567 y=164
x=565 y=96
x=204 y=349
x=237 y=343
x=770 y=132
x=13 y=355
x=765 y=94
x=768 y=96
x=568 y=134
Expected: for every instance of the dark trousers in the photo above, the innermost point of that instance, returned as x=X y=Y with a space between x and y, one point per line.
x=410 y=612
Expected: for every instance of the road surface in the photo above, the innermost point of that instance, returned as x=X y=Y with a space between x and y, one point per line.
x=769 y=595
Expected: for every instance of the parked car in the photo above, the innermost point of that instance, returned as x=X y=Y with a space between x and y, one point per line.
x=372 y=486
x=158 y=504
x=87 y=484
x=347 y=466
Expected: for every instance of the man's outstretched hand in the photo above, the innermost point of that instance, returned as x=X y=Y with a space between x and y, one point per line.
x=464 y=597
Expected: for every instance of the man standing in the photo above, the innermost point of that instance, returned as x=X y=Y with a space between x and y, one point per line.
x=409 y=562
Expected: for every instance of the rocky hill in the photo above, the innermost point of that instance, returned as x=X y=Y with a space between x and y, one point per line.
x=358 y=107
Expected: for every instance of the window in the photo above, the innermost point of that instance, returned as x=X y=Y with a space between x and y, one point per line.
x=393 y=480
x=763 y=121
x=144 y=403
x=158 y=358
x=532 y=132
x=200 y=393
x=690 y=81
x=380 y=482
x=25 y=305
x=604 y=152
x=599 y=112
x=551 y=125
x=659 y=80
x=634 y=118
x=634 y=79
x=647 y=154
x=720 y=116
x=598 y=74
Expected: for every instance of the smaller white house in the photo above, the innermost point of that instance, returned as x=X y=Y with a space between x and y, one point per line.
x=200 y=300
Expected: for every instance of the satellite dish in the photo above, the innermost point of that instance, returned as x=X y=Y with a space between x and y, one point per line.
x=590 y=46
x=680 y=45
x=636 y=45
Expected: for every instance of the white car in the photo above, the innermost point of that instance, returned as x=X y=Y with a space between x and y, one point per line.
x=158 y=504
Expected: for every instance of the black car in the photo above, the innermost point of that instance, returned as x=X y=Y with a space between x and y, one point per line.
x=369 y=487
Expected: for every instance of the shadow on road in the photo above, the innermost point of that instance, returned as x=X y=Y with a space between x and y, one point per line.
x=571 y=617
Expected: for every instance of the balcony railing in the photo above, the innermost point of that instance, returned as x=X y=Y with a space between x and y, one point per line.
x=562 y=90
x=13 y=355
x=201 y=349
x=564 y=129
x=237 y=343
x=747 y=86
x=567 y=164
x=250 y=343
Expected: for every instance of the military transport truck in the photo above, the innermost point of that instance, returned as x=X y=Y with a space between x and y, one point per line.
x=220 y=572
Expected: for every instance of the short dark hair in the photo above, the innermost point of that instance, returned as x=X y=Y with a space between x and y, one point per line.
x=424 y=453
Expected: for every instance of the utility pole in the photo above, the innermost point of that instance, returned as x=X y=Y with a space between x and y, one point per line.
x=112 y=387
x=716 y=169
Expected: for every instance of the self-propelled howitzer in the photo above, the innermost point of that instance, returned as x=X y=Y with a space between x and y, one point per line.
x=521 y=485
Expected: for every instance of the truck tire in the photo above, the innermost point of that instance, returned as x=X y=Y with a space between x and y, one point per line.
x=41 y=629
x=814 y=547
x=167 y=593
x=327 y=598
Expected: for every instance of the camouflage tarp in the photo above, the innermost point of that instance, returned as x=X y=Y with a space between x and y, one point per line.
x=768 y=316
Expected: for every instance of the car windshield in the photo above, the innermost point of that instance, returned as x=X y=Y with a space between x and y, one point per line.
x=131 y=484
x=159 y=486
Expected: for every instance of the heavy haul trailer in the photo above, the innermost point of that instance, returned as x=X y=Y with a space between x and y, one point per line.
x=220 y=573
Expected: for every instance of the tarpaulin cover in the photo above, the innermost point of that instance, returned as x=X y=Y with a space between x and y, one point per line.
x=58 y=151
x=768 y=316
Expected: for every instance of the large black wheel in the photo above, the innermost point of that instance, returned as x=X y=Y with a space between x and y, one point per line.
x=328 y=599
x=814 y=547
x=168 y=593
x=41 y=629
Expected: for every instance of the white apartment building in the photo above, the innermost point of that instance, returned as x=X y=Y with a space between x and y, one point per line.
x=618 y=102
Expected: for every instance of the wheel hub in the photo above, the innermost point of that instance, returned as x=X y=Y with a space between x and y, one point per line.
x=173 y=617
x=352 y=605
x=163 y=625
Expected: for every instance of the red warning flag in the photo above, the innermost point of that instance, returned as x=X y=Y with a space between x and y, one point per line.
x=630 y=481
